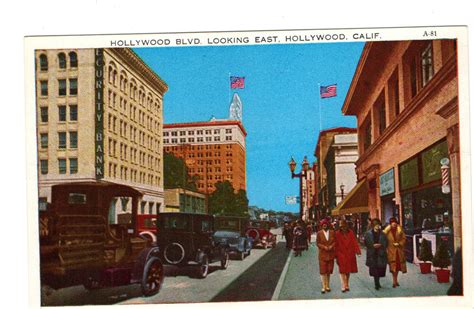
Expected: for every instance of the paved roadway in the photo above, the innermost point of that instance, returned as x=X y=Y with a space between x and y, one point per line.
x=254 y=278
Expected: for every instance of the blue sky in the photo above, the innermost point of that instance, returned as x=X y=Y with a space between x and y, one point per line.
x=280 y=101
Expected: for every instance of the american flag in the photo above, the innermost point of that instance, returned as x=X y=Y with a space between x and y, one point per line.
x=237 y=82
x=328 y=91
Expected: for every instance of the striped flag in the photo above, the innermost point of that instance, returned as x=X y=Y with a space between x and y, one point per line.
x=328 y=91
x=237 y=82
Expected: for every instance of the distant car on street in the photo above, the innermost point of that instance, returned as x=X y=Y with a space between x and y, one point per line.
x=231 y=230
x=188 y=239
x=259 y=231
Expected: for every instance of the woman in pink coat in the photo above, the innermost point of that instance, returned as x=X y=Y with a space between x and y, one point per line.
x=346 y=250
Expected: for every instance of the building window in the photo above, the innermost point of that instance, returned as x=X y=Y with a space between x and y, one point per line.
x=62 y=112
x=44 y=87
x=73 y=86
x=62 y=140
x=217 y=138
x=394 y=94
x=182 y=133
x=427 y=69
x=208 y=139
x=228 y=138
x=182 y=140
x=367 y=131
x=62 y=60
x=73 y=139
x=380 y=109
x=44 y=114
x=43 y=62
x=73 y=112
x=217 y=131
x=166 y=134
x=62 y=87
x=44 y=167
x=174 y=133
x=190 y=132
x=73 y=165
x=44 y=140
x=191 y=140
x=228 y=131
x=413 y=78
x=62 y=166
x=73 y=60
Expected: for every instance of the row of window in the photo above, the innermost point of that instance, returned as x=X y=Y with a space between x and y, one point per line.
x=196 y=147
x=198 y=132
x=419 y=69
x=62 y=140
x=130 y=111
x=62 y=87
x=127 y=131
x=62 y=113
x=62 y=61
x=62 y=166
x=132 y=175
x=130 y=88
x=133 y=155
x=193 y=140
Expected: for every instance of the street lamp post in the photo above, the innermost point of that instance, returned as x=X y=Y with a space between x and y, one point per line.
x=301 y=176
x=342 y=191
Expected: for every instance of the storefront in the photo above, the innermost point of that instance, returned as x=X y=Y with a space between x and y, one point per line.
x=425 y=208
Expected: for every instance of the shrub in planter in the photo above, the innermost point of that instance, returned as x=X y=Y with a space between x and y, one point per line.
x=426 y=256
x=442 y=260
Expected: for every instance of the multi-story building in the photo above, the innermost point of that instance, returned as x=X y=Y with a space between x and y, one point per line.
x=100 y=118
x=405 y=97
x=340 y=167
x=213 y=150
x=323 y=145
x=180 y=200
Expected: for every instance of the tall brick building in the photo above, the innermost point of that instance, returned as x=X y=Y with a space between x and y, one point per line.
x=99 y=118
x=213 y=150
x=405 y=97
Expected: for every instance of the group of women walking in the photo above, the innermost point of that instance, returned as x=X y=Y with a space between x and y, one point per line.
x=384 y=247
x=298 y=236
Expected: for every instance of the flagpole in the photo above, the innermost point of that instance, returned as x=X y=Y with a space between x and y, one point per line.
x=228 y=85
x=319 y=103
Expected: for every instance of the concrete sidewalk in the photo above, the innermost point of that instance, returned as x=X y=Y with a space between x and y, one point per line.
x=302 y=281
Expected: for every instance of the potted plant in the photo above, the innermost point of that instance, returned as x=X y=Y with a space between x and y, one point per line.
x=442 y=260
x=426 y=256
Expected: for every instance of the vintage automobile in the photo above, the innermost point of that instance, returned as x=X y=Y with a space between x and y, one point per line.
x=232 y=230
x=85 y=238
x=259 y=231
x=187 y=239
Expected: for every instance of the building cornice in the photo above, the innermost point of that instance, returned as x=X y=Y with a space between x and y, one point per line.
x=448 y=71
x=141 y=68
x=184 y=125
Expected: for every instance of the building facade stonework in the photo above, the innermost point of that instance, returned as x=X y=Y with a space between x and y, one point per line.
x=100 y=118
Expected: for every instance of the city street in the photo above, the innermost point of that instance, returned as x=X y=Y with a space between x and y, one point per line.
x=252 y=279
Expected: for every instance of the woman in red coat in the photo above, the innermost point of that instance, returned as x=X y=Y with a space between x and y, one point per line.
x=346 y=250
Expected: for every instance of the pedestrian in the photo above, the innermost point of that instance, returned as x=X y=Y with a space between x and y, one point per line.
x=346 y=250
x=287 y=233
x=396 y=243
x=299 y=238
x=326 y=242
x=376 y=244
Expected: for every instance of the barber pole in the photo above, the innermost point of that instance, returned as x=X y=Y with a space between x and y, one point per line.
x=445 y=188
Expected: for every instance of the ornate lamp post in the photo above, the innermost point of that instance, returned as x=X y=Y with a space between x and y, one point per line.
x=301 y=176
x=342 y=191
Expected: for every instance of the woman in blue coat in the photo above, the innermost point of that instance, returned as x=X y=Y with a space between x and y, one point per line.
x=376 y=243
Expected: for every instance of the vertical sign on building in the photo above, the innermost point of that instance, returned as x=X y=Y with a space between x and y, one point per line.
x=99 y=113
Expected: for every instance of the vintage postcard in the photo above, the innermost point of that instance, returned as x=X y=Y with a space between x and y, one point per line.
x=257 y=166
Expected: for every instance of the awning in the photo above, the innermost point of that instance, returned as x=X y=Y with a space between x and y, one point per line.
x=355 y=202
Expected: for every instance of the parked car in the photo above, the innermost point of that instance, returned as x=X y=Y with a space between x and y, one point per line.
x=84 y=241
x=188 y=239
x=232 y=231
x=259 y=231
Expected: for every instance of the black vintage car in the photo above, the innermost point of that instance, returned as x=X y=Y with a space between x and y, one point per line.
x=187 y=239
x=83 y=240
x=232 y=231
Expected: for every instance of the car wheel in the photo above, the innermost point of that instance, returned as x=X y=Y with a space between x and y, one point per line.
x=152 y=277
x=225 y=260
x=174 y=253
x=203 y=268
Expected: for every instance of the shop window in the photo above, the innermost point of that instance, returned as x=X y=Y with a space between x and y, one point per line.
x=409 y=176
x=431 y=161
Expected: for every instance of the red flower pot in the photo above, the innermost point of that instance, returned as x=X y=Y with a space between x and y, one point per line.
x=442 y=275
x=425 y=268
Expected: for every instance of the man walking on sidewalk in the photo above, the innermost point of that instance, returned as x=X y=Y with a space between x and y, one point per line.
x=326 y=241
x=376 y=243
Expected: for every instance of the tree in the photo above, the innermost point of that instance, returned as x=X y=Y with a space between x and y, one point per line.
x=223 y=201
x=176 y=174
x=425 y=251
x=442 y=258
